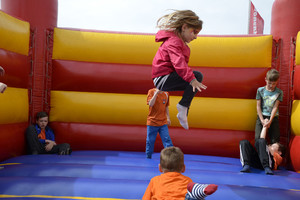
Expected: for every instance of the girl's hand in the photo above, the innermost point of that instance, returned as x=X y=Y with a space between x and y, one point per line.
x=197 y=85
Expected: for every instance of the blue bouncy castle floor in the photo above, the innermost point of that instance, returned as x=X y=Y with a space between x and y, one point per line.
x=125 y=175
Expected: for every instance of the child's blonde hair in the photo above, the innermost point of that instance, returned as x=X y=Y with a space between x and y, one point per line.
x=172 y=159
x=272 y=75
x=174 y=21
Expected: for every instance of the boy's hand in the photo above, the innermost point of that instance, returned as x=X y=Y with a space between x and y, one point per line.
x=197 y=85
x=49 y=145
x=266 y=123
x=168 y=121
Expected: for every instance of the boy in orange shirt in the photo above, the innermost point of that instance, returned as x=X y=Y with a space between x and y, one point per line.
x=158 y=120
x=171 y=184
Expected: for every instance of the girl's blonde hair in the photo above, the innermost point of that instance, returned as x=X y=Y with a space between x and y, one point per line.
x=172 y=159
x=175 y=20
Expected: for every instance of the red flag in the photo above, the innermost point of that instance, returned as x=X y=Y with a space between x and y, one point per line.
x=256 y=22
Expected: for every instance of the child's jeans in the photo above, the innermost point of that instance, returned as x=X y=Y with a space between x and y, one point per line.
x=151 y=137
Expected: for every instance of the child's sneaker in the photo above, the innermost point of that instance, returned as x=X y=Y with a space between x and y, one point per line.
x=2 y=87
x=198 y=191
x=246 y=169
x=182 y=116
x=268 y=171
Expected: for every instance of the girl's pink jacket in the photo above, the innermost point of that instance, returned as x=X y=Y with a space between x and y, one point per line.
x=172 y=55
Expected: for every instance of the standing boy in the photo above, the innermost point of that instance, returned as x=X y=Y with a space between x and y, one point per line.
x=171 y=184
x=268 y=99
x=158 y=119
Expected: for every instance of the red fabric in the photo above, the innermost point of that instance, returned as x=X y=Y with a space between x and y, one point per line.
x=211 y=188
x=256 y=22
x=88 y=136
x=208 y=190
x=172 y=55
x=190 y=186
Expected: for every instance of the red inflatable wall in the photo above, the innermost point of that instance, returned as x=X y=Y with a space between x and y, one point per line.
x=285 y=26
x=41 y=15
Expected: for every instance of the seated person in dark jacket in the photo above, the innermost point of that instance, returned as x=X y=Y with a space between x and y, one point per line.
x=40 y=138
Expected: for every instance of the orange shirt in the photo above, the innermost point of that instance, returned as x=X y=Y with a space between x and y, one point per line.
x=277 y=160
x=157 y=113
x=167 y=186
x=42 y=135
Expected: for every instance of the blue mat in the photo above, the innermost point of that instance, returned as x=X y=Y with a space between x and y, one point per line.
x=125 y=175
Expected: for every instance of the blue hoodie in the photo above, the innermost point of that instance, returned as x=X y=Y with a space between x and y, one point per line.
x=48 y=132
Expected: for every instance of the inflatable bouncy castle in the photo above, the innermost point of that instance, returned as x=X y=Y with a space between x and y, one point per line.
x=94 y=86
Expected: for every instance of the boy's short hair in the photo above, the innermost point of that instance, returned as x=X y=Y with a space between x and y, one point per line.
x=282 y=149
x=41 y=115
x=272 y=75
x=172 y=159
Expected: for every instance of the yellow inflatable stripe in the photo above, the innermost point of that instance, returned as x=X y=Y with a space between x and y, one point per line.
x=54 y=197
x=131 y=109
x=295 y=116
x=14 y=34
x=103 y=47
x=4 y=164
x=298 y=49
x=14 y=106
x=232 y=51
x=140 y=49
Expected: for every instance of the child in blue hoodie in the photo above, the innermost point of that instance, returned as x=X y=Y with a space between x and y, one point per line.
x=41 y=140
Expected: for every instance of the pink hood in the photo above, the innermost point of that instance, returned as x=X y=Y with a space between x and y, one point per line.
x=172 y=55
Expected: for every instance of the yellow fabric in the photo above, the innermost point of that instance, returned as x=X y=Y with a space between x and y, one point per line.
x=232 y=51
x=298 y=49
x=295 y=116
x=111 y=108
x=54 y=197
x=103 y=47
x=14 y=34
x=14 y=106
x=140 y=49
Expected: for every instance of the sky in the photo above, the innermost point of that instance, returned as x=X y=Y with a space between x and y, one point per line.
x=220 y=17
